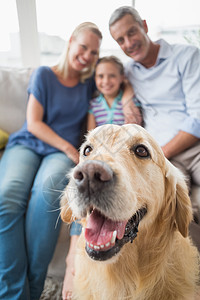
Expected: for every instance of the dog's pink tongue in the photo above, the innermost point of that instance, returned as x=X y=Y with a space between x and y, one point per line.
x=99 y=229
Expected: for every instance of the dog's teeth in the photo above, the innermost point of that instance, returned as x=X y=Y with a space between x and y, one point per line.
x=96 y=247
x=102 y=246
x=114 y=237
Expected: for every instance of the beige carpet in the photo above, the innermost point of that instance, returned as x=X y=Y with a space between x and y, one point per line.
x=52 y=289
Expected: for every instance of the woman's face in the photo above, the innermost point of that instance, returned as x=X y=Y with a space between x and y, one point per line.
x=83 y=50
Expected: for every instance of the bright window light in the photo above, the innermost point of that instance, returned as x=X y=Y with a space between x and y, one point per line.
x=173 y=20
x=8 y=24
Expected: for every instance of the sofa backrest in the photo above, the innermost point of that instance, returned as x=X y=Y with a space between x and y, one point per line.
x=13 y=97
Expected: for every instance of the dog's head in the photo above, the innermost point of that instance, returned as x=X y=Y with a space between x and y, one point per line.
x=123 y=181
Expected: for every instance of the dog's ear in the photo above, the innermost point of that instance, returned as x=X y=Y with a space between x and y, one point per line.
x=183 y=208
x=66 y=212
x=178 y=198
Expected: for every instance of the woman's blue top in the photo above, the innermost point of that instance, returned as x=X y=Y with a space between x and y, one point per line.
x=64 y=109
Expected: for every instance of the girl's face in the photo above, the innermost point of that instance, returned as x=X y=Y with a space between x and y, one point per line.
x=108 y=79
x=83 y=50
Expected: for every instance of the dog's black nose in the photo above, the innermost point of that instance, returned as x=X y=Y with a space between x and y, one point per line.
x=92 y=175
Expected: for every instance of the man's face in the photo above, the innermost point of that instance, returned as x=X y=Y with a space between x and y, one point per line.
x=131 y=37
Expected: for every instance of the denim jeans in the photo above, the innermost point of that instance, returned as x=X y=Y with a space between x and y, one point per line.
x=75 y=228
x=30 y=190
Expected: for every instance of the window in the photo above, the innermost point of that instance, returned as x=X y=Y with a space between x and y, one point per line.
x=10 y=53
x=177 y=21
x=33 y=32
x=56 y=24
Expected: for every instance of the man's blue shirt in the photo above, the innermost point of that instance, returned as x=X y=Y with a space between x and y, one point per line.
x=169 y=92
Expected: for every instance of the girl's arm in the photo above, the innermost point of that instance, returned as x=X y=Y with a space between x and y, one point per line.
x=43 y=132
x=70 y=270
x=91 y=123
x=131 y=112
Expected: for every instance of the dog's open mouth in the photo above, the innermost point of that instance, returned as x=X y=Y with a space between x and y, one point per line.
x=104 y=237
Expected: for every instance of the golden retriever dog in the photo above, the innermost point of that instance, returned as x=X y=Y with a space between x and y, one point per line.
x=135 y=210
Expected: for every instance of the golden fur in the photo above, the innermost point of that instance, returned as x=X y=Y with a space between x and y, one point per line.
x=161 y=263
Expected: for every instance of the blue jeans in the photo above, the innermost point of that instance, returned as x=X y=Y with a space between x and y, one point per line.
x=30 y=190
x=75 y=228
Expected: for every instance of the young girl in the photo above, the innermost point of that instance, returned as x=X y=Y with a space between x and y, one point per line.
x=107 y=108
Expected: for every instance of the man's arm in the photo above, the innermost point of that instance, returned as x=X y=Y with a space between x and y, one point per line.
x=179 y=143
x=189 y=133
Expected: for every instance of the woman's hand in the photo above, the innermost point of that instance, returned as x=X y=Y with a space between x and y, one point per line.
x=72 y=153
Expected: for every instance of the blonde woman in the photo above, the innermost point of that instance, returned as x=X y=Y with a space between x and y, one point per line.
x=36 y=161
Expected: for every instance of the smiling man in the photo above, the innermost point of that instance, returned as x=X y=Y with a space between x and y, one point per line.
x=166 y=80
x=133 y=39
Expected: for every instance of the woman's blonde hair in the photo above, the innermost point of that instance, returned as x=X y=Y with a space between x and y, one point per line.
x=62 y=66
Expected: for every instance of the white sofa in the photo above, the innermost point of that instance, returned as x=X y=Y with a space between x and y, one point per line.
x=13 y=99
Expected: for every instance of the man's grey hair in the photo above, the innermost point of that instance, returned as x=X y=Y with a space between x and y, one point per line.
x=122 y=11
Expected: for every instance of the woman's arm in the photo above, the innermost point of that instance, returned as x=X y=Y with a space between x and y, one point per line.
x=91 y=123
x=43 y=132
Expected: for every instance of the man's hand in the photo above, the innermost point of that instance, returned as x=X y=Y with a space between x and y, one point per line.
x=132 y=113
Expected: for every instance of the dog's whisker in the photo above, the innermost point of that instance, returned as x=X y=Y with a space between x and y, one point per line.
x=59 y=217
x=65 y=206
x=49 y=190
x=53 y=210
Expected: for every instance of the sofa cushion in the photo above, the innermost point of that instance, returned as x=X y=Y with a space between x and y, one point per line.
x=13 y=97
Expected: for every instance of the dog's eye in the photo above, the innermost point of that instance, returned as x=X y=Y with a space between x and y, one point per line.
x=87 y=150
x=141 y=151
